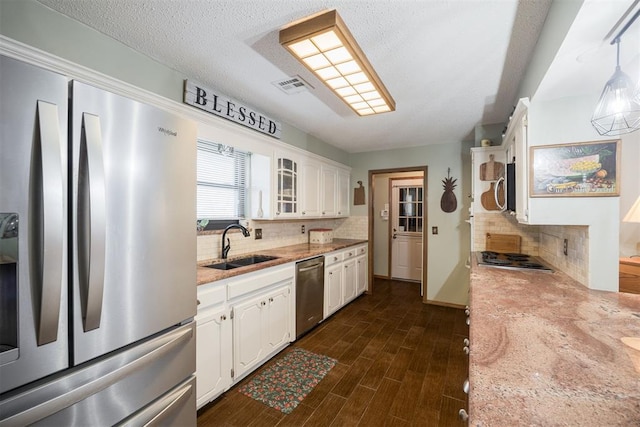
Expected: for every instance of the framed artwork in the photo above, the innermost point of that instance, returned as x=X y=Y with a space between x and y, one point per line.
x=583 y=169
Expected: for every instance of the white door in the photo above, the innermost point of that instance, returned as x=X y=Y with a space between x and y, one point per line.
x=407 y=197
x=213 y=355
x=310 y=189
x=349 y=281
x=278 y=315
x=329 y=189
x=333 y=288
x=361 y=274
x=248 y=335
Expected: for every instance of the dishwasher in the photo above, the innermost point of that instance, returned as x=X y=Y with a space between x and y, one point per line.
x=309 y=294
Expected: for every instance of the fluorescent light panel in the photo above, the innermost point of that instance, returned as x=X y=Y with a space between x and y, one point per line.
x=325 y=46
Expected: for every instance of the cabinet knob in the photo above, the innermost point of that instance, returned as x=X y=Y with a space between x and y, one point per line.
x=339 y=213
x=466 y=350
x=466 y=342
x=198 y=301
x=262 y=303
x=271 y=299
x=463 y=415
x=277 y=213
x=465 y=386
x=323 y=212
x=304 y=213
x=467 y=311
x=335 y=258
x=468 y=321
x=223 y=317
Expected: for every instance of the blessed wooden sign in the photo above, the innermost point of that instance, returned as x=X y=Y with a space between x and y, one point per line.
x=212 y=102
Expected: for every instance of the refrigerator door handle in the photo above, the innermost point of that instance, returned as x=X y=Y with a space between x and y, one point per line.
x=85 y=384
x=51 y=249
x=92 y=222
x=154 y=414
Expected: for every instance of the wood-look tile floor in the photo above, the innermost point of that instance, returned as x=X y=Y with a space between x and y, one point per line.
x=400 y=362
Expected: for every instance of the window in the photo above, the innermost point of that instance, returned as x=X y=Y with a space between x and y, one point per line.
x=222 y=181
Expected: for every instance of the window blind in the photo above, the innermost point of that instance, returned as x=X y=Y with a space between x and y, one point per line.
x=221 y=179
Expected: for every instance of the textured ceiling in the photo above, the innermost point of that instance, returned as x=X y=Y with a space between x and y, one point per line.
x=449 y=64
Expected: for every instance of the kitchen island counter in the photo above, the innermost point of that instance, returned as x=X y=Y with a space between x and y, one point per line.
x=285 y=254
x=546 y=351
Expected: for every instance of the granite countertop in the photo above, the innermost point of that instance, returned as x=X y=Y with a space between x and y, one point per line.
x=285 y=254
x=546 y=351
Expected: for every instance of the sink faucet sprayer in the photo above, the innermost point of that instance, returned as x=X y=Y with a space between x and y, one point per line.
x=227 y=247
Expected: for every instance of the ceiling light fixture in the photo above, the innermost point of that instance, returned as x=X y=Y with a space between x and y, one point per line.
x=324 y=45
x=617 y=112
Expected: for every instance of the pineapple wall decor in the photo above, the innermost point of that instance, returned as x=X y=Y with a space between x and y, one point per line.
x=448 y=202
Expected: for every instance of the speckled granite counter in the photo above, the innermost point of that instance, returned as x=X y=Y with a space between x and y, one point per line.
x=285 y=253
x=546 y=351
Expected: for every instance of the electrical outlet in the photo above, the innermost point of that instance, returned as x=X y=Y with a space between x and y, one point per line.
x=302 y=229
x=434 y=230
x=258 y=233
x=565 y=247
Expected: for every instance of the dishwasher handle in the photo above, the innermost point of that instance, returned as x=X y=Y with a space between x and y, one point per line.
x=312 y=267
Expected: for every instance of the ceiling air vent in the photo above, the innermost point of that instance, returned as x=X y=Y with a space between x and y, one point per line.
x=293 y=84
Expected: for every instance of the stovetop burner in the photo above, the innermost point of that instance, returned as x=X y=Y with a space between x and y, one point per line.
x=513 y=261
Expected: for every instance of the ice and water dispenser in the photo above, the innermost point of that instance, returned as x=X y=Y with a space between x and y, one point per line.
x=8 y=287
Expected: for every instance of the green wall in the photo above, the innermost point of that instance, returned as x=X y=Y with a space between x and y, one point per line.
x=34 y=24
x=449 y=249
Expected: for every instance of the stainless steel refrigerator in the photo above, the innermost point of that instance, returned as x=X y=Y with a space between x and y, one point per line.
x=97 y=256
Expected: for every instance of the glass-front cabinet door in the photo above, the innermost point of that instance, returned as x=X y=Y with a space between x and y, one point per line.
x=287 y=198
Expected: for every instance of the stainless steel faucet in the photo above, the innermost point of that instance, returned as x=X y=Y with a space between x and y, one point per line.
x=227 y=247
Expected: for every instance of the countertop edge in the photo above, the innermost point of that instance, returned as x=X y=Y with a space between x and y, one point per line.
x=285 y=254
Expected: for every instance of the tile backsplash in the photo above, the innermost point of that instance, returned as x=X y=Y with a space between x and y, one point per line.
x=484 y=223
x=279 y=233
x=576 y=263
x=545 y=241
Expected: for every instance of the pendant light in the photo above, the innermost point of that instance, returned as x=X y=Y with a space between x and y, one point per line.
x=617 y=111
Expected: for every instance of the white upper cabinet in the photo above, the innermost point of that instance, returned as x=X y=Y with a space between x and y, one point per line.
x=297 y=185
x=344 y=186
x=329 y=191
x=310 y=177
x=287 y=182
x=517 y=147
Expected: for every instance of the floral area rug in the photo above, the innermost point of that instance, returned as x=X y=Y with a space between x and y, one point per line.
x=284 y=384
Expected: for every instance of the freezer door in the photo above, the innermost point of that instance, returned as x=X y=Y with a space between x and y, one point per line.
x=133 y=221
x=33 y=223
x=151 y=383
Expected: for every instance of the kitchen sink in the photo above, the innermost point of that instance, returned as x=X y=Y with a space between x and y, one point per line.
x=250 y=260
x=222 y=266
x=241 y=262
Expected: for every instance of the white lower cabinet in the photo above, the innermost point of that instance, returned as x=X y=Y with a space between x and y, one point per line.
x=213 y=344
x=361 y=271
x=241 y=322
x=349 y=276
x=261 y=326
x=332 y=288
x=345 y=277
